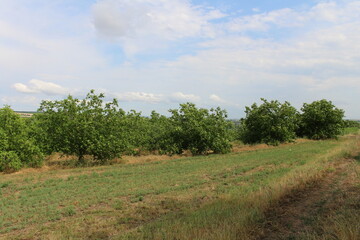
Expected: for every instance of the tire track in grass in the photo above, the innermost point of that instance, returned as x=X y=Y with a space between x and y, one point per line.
x=302 y=214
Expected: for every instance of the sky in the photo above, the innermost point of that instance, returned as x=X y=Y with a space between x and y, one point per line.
x=156 y=54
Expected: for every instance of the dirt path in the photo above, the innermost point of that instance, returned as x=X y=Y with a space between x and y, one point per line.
x=303 y=212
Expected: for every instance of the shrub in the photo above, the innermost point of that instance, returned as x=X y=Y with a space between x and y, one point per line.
x=321 y=120
x=270 y=123
x=9 y=161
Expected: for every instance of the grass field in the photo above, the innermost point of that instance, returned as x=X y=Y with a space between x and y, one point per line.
x=209 y=197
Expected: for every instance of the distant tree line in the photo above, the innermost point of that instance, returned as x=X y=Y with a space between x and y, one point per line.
x=102 y=130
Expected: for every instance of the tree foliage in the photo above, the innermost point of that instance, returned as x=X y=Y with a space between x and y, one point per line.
x=17 y=147
x=270 y=123
x=136 y=129
x=321 y=120
x=199 y=130
x=83 y=127
x=102 y=130
x=351 y=123
x=158 y=137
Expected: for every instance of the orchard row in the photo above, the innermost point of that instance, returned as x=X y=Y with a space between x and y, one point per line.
x=90 y=127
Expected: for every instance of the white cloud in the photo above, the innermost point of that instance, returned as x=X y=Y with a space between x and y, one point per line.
x=139 y=97
x=38 y=86
x=177 y=97
x=301 y=53
x=321 y=52
x=263 y=21
x=23 y=88
x=321 y=15
x=216 y=98
x=328 y=11
x=144 y=24
x=40 y=39
x=181 y=97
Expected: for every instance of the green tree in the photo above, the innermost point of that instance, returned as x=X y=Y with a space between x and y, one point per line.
x=83 y=127
x=321 y=120
x=17 y=147
x=136 y=128
x=158 y=133
x=199 y=130
x=271 y=123
x=351 y=123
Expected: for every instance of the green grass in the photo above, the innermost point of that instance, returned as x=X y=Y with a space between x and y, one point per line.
x=210 y=197
x=340 y=218
x=350 y=130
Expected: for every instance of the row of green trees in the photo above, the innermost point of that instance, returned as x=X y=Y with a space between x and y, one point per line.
x=274 y=122
x=102 y=130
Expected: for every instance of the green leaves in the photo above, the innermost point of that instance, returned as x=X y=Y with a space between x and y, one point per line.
x=91 y=127
x=321 y=120
x=274 y=123
x=17 y=146
x=199 y=130
x=9 y=161
x=83 y=127
x=271 y=123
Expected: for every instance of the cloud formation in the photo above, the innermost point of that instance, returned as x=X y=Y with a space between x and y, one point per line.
x=324 y=46
x=139 y=97
x=217 y=99
x=321 y=15
x=181 y=97
x=177 y=97
x=166 y=52
x=137 y=23
x=38 y=86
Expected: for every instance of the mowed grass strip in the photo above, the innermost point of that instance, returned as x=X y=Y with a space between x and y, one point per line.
x=327 y=210
x=188 y=198
x=237 y=215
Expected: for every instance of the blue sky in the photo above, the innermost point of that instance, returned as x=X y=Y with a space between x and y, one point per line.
x=155 y=54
